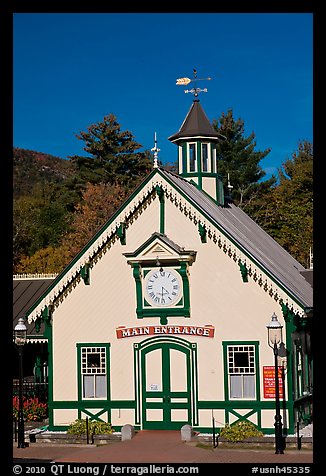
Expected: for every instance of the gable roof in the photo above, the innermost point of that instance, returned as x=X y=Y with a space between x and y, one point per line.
x=161 y=237
x=246 y=235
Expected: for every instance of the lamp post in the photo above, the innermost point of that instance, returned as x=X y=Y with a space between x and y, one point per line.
x=274 y=329
x=20 y=335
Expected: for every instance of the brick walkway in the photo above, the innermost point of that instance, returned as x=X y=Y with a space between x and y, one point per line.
x=155 y=447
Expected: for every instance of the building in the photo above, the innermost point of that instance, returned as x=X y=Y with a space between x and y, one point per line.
x=26 y=291
x=161 y=319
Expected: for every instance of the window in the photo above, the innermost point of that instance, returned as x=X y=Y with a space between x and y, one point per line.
x=192 y=158
x=204 y=158
x=241 y=371
x=94 y=372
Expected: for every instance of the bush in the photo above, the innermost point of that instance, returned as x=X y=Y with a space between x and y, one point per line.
x=240 y=431
x=33 y=409
x=78 y=427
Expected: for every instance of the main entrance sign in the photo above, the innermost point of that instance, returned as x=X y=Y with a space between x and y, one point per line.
x=202 y=331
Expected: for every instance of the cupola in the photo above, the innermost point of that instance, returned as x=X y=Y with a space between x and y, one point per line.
x=196 y=141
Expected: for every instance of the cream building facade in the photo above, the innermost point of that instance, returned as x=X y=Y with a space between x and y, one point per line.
x=160 y=320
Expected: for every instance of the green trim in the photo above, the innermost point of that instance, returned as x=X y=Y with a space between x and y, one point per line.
x=160 y=193
x=121 y=233
x=202 y=232
x=102 y=404
x=290 y=328
x=48 y=335
x=243 y=271
x=213 y=147
x=199 y=164
x=220 y=192
x=85 y=273
x=184 y=157
x=136 y=272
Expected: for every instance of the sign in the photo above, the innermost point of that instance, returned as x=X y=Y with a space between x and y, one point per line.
x=269 y=381
x=201 y=331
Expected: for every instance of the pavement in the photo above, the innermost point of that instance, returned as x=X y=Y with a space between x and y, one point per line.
x=155 y=446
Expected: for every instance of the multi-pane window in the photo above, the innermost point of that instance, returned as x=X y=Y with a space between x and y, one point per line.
x=242 y=371
x=94 y=372
x=192 y=158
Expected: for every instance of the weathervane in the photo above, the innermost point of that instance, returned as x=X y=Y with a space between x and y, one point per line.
x=195 y=91
x=155 y=151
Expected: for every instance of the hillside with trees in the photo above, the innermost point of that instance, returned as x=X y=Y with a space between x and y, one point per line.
x=59 y=204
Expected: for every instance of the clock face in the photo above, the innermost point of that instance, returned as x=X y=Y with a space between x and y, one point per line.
x=163 y=287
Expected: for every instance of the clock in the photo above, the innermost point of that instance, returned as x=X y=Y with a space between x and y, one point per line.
x=163 y=287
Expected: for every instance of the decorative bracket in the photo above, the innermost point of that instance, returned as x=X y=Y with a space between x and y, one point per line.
x=243 y=271
x=85 y=273
x=202 y=232
x=121 y=233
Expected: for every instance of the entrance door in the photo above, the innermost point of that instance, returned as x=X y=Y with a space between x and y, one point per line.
x=166 y=401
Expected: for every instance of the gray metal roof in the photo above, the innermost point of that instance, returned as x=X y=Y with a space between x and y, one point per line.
x=242 y=230
x=25 y=292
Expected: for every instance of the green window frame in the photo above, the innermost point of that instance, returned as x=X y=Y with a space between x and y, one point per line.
x=241 y=370
x=93 y=371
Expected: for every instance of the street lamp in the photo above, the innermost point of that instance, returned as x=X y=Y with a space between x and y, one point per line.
x=274 y=329
x=20 y=335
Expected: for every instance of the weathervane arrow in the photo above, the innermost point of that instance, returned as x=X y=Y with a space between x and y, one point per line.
x=195 y=91
x=183 y=81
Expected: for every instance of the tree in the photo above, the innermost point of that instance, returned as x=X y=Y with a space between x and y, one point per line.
x=113 y=155
x=39 y=220
x=98 y=203
x=238 y=160
x=285 y=211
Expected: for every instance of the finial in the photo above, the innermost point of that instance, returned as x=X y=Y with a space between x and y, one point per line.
x=155 y=151
x=195 y=91
x=311 y=259
x=230 y=187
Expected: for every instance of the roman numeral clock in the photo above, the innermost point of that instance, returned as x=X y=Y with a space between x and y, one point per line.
x=163 y=288
x=161 y=272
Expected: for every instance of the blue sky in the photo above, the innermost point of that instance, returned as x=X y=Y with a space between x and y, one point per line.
x=72 y=69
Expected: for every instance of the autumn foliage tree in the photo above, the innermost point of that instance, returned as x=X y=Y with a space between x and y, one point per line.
x=98 y=203
x=285 y=211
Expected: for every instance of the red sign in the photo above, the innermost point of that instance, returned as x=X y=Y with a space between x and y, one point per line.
x=202 y=331
x=269 y=381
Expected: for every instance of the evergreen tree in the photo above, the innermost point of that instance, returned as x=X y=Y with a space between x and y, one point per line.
x=238 y=160
x=113 y=155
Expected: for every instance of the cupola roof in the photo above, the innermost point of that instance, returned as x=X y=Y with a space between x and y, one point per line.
x=196 y=124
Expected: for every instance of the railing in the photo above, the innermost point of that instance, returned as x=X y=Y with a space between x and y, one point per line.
x=32 y=390
x=303 y=408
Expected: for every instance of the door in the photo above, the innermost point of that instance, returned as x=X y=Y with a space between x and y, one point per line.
x=166 y=394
